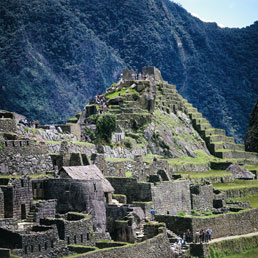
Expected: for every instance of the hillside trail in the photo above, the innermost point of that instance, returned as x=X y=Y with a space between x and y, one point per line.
x=183 y=59
x=232 y=237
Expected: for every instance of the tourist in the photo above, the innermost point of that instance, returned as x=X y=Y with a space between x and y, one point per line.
x=184 y=239
x=37 y=123
x=188 y=235
x=209 y=232
x=152 y=212
x=179 y=243
x=201 y=235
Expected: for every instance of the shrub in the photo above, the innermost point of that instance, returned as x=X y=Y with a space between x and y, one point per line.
x=105 y=126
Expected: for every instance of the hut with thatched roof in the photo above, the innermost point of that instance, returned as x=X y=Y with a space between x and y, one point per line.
x=90 y=172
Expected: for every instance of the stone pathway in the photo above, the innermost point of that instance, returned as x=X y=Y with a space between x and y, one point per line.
x=233 y=237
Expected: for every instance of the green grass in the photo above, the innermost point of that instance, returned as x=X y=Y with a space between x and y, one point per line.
x=211 y=173
x=252 y=253
x=238 y=184
x=122 y=92
x=251 y=167
x=128 y=174
x=201 y=158
x=149 y=157
x=253 y=199
x=118 y=159
x=19 y=176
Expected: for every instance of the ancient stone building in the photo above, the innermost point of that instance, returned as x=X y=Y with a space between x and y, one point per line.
x=17 y=197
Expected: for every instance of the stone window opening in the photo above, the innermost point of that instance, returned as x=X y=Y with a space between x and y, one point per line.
x=95 y=188
x=25 y=249
x=39 y=248
x=68 y=240
x=52 y=244
x=21 y=144
x=22 y=183
x=88 y=236
x=45 y=245
x=6 y=144
x=74 y=239
x=81 y=238
x=32 y=248
x=23 y=211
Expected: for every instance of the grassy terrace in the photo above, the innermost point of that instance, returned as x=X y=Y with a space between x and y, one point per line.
x=31 y=176
x=201 y=158
x=253 y=199
x=251 y=167
x=122 y=92
x=210 y=173
x=238 y=184
x=118 y=159
x=252 y=253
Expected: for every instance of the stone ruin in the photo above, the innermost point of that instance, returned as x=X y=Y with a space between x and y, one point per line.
x=62 y=192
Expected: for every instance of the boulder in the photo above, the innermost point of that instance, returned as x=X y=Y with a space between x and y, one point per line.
x=115 y=101
x=239 y=172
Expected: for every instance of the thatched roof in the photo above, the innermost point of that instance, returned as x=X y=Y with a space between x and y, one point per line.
x=88 y=173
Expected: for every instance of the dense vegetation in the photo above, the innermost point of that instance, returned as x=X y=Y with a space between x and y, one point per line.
x=55 y=55
x=251 y=139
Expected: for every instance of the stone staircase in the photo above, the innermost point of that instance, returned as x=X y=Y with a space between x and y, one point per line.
x=219 y=145
x=140 y=232
x=31 y=216
x=183 y=252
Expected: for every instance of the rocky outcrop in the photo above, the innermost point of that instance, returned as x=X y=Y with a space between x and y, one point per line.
x=239 y=172
x=251 y=138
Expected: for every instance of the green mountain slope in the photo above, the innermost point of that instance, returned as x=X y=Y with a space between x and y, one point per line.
x=57 y=55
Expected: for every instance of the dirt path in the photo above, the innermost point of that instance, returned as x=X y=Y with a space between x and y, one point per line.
x=233 y=237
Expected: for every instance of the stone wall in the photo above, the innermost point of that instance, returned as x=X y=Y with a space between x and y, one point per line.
x=171 y=197
x=175 y=223
x=17 y=197
x=134 y=190
x=151 y=248
x=228 y=224
x=7 y=125
x=119 y=168
x=45 y=209
x=39 y=241
x=78 y=195
x=1 y=204
x=202 y=197
x=24 y=157
x=73 y=228
x=242 y=192
x=225 y=247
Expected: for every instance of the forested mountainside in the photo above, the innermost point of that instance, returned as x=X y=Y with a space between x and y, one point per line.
x=55 y=55
x=251 y=139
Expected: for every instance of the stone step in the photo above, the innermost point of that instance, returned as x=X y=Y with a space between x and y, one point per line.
x=214 y=131
x=219 y=138
x=192 y=110
x=202 y=127
x=114 y=107
x=231 y=154
x=199 y=121
x=215 y=146
x=194 y=115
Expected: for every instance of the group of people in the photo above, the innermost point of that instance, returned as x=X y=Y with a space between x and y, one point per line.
x=203 y=236
x=33 y=124
x=102 y=103
x=181 y=241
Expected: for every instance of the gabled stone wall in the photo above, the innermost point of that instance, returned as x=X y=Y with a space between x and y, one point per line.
x=171 y=197
x=78 y=195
